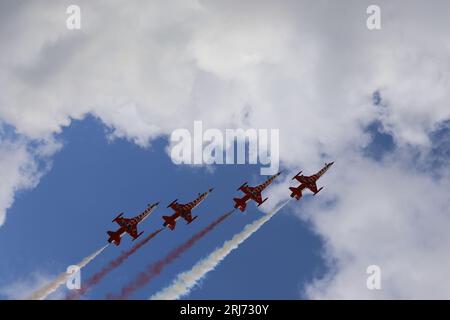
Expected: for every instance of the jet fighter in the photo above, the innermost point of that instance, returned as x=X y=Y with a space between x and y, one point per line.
x=183 y=210
x=129 y=225
x=252 y=193
x=308 y=182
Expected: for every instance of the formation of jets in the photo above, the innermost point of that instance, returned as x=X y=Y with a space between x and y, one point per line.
x=184 y=211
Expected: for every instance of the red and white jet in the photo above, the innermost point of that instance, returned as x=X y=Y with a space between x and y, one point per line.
x=129 y=225
x=308 y=182
x=252 y=193
x=183 y=210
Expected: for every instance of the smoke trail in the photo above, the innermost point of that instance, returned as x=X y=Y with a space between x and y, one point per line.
x=157 y=267
x=185 y=281
x=96 y=278
x=48 y=289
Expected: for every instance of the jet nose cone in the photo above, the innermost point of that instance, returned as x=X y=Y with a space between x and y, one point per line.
x=331 y=163
x=210 y=190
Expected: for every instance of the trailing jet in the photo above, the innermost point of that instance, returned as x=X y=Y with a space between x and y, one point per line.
x=129 y=225
x=252 y=193
x=308 y=182
x=183 y=210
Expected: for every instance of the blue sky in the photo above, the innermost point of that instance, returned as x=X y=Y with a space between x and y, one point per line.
x=92 y=179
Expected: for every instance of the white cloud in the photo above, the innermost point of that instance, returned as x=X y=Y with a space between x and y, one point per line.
x=308 y=68
x=151 y=67
x=21 y=167
x=387 y=215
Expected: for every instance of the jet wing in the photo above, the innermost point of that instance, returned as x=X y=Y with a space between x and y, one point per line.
x=312 y=187
x=133 y=232
x=175 y=206
x=253 y=193
x=257 y=197
x=122 y=221
x=301 y=179
x=187 y=216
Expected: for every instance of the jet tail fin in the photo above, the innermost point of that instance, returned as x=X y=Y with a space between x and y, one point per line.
x=169 y=222
x=114 y=237
x=240 y=204
x=296 y=192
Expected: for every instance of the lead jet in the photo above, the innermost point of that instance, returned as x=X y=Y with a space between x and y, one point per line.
x=183 y=210
x=308 y=182
x=129 y=225
x=252 y=193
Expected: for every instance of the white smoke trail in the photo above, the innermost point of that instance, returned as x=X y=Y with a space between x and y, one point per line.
x=187 y=280
x=48 y=289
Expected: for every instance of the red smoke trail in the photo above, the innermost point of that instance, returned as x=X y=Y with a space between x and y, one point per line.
x=157 y=267
x=96 y=278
